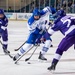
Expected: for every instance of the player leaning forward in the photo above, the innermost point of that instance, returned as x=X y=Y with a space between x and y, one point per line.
x=37 y=27
x=4 y=31
x=66 y=25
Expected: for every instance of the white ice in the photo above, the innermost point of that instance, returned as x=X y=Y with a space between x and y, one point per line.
x=17 y=35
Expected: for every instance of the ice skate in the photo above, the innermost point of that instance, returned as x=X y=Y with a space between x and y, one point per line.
x=6 y=52
x=41 y=57
x=16 y=57
x=52 y=67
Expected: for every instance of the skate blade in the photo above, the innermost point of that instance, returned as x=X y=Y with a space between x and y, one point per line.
x=52 y=71
x=42 y=61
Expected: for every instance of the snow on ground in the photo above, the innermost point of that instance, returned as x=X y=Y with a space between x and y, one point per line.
x=17 y=35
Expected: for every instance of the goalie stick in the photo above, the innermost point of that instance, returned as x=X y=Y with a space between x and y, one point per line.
x=7 y=53
x=23 y=55
x=19 y=47
x=31 y=54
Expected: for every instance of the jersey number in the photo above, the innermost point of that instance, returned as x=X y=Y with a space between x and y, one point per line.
x=66 y=19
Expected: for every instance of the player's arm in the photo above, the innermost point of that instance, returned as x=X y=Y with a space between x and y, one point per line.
x=55 y=27
x=48 y=23
x=46 y=10
x=51 y=31
x=3 y=25
x=6 y=21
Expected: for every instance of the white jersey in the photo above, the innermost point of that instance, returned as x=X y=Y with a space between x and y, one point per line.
x=41 y=23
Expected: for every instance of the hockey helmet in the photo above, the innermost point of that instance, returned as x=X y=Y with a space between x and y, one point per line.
x=1 y=11
x=61 y=12
x=36 y=12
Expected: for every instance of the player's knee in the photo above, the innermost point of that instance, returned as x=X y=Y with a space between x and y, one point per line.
x=59 y=51
x=47 y=43
x=5 y=37
x=22 y=50
x=45 y=49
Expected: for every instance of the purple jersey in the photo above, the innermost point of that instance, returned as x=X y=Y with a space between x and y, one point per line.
x=4 y=32
x=3 y=23
x=65 y=24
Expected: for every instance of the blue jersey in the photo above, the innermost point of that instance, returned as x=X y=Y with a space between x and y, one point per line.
x=3 y=23
x=65 y=24
x=41 y=23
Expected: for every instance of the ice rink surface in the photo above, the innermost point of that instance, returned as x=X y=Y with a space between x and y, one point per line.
x=18 y=33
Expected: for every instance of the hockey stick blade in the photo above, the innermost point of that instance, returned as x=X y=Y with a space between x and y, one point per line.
x=27 y=59
x=16 y=49
x=9 y=55
x=19 y=47
x=23 y=55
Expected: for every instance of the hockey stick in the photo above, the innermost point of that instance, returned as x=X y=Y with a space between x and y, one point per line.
x=34 y=50
x=1 y=43
x=23 y=55
x=19 y=47
x=10 y=55
x=7 y=53
x=31 y=54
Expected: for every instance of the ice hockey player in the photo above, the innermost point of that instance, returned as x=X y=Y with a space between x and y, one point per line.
x=4 y=31
x=66 y=25
x=37 y=27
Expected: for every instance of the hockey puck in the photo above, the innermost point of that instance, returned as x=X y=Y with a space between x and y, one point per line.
x=28 y=63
